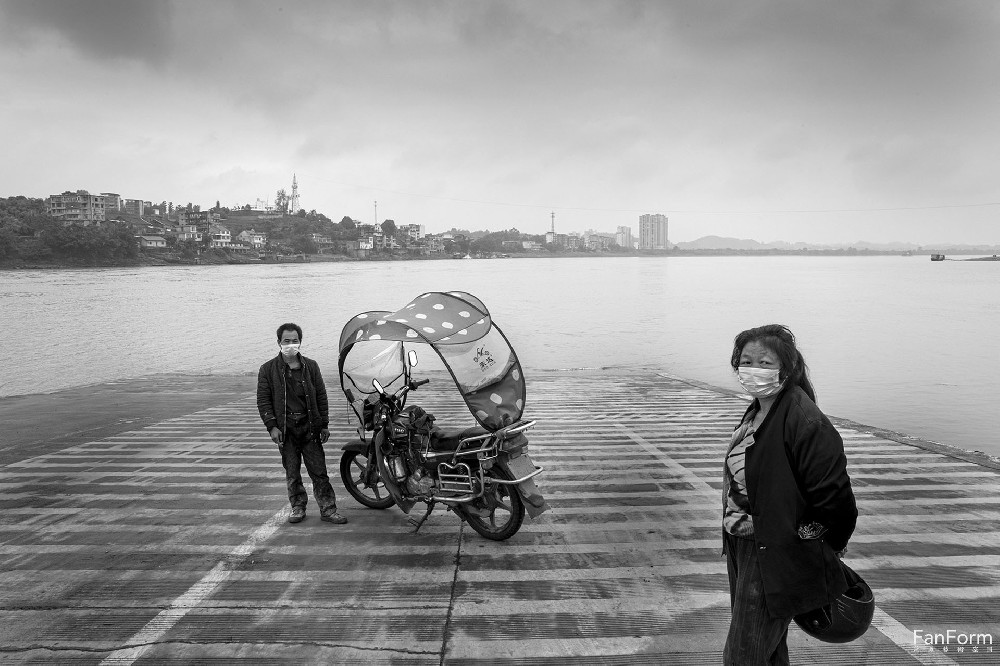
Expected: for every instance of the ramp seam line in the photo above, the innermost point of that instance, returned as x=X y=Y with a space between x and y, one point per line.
x=451 y=598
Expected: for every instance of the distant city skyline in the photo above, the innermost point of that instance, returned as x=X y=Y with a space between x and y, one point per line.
x=651 y=232
x=817 y=122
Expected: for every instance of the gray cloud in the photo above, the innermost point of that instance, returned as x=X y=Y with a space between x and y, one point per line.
x=103 y=29
x=706 y=105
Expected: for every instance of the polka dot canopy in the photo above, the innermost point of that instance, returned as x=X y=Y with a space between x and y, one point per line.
x=458 y=326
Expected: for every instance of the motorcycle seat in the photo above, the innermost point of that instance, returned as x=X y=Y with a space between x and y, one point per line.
x=447 y=439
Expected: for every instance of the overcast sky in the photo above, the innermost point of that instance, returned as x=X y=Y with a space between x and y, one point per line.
x=799 y=121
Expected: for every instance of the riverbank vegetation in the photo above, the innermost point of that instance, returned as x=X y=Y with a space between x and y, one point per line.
x=29 y=235
x=31 y=238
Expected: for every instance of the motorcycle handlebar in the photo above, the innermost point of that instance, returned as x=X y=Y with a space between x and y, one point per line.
x=398 y=395
x=406 y=388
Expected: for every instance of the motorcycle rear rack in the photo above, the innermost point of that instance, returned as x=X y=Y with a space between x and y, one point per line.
x=503 y=433
x=431 y=455
x=489 y=443
x=538 y=470
x=514 y=428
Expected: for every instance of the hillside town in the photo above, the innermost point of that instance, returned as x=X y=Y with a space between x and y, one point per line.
x=78 y=229
x=263 y=231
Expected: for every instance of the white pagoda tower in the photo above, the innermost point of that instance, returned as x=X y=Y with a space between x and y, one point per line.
x=293 y=204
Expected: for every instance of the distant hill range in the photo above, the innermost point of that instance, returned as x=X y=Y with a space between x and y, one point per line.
x=746 y=244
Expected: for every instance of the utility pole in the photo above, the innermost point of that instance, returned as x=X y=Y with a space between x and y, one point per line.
x=376 y=212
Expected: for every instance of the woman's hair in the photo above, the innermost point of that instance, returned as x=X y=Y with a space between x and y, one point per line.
x=779 y=340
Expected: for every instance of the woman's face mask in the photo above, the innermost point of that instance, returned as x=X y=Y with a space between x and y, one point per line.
x=760 y=382
x=760 y=370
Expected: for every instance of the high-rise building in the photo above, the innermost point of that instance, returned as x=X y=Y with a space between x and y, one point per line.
x=653 y=232
x=623 y=237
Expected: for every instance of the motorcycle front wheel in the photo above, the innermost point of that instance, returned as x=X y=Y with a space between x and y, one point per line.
x=369 y=491
x=498 y=514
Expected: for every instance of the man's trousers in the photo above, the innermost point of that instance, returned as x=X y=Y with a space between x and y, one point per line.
x=301 y=446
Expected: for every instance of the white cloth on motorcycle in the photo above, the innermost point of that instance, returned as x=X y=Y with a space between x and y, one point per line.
x=447 y=439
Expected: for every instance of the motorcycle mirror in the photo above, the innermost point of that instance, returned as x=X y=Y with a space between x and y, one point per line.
x=411 y=356
x=378 y=387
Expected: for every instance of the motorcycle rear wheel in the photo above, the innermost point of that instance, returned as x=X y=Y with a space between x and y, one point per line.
x=353 y=466
x=503 y=504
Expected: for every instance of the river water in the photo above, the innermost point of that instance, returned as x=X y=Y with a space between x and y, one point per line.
x=895 y=342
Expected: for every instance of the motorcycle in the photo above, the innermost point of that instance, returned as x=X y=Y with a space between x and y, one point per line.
x=482 y=473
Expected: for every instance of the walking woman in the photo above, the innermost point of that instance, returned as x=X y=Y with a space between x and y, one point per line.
x=788 y=506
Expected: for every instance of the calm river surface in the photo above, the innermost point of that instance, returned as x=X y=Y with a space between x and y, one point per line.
x=894 y=342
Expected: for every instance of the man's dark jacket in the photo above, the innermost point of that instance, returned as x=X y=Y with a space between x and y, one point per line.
x=272 y=385
x=796 y=473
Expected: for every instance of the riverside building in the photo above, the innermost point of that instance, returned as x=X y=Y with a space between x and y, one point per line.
x=112 y=203
x=623 y=237
x=653 y=232
x=136 y=206
x=80 y=207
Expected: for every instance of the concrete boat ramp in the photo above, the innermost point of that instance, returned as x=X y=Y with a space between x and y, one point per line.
x=144 y=522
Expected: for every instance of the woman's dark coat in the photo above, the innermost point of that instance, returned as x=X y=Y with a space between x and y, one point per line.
x=796 y=473
x=271 y=388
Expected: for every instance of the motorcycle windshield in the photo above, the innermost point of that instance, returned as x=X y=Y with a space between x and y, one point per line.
x=459 y=328
x=374 y=359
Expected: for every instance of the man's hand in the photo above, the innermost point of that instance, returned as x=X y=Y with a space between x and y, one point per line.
x=276 y=436
x=324 y=435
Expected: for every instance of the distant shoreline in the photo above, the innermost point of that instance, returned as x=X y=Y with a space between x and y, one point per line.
x=154 y=260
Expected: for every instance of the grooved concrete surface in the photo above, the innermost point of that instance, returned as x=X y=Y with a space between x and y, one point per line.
x=167 y=541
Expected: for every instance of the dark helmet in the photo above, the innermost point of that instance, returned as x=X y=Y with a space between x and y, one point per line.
x=847 y=618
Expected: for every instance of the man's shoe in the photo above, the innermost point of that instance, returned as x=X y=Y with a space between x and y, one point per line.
x=333 y=517
x=298 y=513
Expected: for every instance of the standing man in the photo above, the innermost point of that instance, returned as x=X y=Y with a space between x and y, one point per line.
x=291 y=399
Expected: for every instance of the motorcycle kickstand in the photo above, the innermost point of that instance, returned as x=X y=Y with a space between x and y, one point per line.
x=418 y=523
